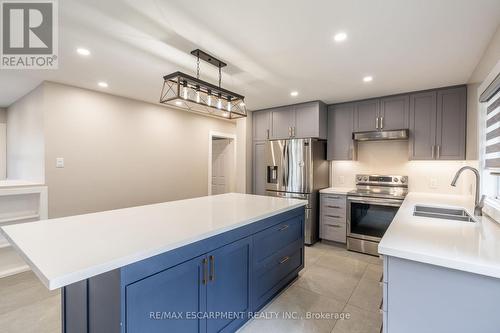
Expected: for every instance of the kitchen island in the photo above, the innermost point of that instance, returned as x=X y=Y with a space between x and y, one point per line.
x=196 y=265
x=440 y=275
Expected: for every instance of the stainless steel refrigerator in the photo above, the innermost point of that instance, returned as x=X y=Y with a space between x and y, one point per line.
x=297 y=168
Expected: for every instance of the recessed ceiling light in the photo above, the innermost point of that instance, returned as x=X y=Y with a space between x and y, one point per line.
x=102 y=84
x=368 y=79
x=294 y=93
x=82 y=51
x=340 y=37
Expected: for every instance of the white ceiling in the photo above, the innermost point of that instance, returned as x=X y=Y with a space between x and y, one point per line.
x=271 y=47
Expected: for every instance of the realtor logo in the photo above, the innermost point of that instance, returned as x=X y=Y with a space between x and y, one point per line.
x=29 y=34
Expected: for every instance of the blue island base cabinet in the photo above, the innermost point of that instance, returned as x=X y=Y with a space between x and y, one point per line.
x=213 y=285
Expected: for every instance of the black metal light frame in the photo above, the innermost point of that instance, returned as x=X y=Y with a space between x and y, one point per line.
x=192 y=93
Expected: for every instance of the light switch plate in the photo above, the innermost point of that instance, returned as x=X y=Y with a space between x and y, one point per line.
x=60 y=162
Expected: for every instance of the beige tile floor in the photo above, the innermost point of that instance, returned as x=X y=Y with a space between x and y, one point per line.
x=333 y=281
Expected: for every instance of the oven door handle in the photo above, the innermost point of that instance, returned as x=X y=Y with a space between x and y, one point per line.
x=376 y=201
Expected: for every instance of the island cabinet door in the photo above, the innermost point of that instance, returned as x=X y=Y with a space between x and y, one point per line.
x=228 y=288
x=169 y=301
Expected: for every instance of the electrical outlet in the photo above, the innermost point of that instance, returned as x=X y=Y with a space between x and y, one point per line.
x=341 y=180
x=60 y=162
x=433 y=183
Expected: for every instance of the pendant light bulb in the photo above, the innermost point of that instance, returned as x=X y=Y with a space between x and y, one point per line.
x=209 y=98
x=229 y=104
x=185 y=90
x=197 y=94
x=219 y=103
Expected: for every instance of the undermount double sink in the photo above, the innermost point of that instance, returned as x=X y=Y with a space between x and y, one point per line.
x=456 y=214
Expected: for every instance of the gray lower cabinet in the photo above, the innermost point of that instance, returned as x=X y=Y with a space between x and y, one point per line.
x=259 y=168
x=340 y=127
x=421 y=297
x=438 y=124
x=333 y=223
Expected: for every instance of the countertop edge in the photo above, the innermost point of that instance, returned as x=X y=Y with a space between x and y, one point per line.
x=61 y=281
x=489 y=271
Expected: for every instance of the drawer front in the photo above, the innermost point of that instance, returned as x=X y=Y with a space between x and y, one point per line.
x=334 y=200
x=333 y=231
x=268 y=280
x=269 y=241
x=333 y=211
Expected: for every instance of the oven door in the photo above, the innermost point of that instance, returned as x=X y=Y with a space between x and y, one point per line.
x=369 y=218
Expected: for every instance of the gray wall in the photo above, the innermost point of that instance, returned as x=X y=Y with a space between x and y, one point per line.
x=3 y=143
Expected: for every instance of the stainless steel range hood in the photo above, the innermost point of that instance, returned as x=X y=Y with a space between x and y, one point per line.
x=401 y=134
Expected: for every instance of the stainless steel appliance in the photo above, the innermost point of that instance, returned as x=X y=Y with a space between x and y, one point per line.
x=371 y=208
x=297 y=168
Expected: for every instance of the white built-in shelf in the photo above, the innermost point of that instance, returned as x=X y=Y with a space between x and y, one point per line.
x=11 y=263
x=20 y=202
x=21 y=218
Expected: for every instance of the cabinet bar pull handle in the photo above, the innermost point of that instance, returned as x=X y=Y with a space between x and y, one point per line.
x=293 y=131
x=334 y=225
x=381 y=122
x=283 y=227
x=333 y=206
x=284 y=260
x=381 y=281
x=438 y=151
x=334 y=216
x=211 y=276
x=289 y=131
x=381 y=307
x=432 y=151
x=333 y=197
x=376 y=123
x=268 y=133
x=204 y=279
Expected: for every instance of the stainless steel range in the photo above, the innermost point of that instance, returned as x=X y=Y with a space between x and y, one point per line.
x=371 y=208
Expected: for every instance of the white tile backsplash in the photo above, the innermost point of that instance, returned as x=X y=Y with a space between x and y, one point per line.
x=391 y=157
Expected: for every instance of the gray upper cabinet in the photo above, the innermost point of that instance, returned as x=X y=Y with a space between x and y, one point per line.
x=310 y=120
x=306 y=120
x=282 y=120
x=451 y=124
x=394 y=112
x=261 y=125
x=366 y=115
x=423 y=118
x=438 y=124
x=340 y=126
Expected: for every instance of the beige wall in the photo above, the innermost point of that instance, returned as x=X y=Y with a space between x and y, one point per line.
x=120 y=152
x=489 y=59
x=391 y=157
x=25 y=137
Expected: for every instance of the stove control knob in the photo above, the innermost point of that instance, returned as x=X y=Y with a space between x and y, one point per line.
x=358 y=178
x=403 y=180
x=365 y=179
x=395 y=180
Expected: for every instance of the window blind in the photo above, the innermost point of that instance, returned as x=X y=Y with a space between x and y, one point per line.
x=492 y=157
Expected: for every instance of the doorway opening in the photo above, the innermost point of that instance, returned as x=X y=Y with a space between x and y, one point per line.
x=222 y=163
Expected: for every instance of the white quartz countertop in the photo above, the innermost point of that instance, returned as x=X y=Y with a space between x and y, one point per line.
x=336 y=190
x=465 y=246
x=67 y=250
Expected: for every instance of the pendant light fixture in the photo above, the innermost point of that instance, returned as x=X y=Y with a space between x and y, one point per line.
x=193 y=94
